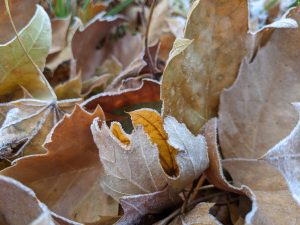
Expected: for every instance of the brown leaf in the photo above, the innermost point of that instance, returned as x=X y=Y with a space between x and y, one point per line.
x=285 y=156
x=86 y=44
x=60 y=28
x=70 y=171
x=25 y=124
x=198 y=215
x=135 y=169
x=21 y=11
x=112 y=103
x=214 y=173
x=199 y=68
x=136 y=207
x=255 y=113
x=19 y=205
x=272 y=201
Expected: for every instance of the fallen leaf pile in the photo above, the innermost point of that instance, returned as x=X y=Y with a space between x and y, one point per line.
x=149 y=112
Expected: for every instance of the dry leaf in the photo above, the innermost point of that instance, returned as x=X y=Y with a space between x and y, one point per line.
x=199 y=68
x=198 y=215
x=136 y=207
x=15 y=66
x=21 y=11
x=272 y=202
x=214 y=173
x=153 y=126
x=118 y=132
x=86 y=44
x=60 y=28
x=91 y=10
x=25 y=124
x=69 y=89
x=135 y=169
x=255 y=113
x=70 y=171
x=285 y=156
x=15 y=200
x=114 y=104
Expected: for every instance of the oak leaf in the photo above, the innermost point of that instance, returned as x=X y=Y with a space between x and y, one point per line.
x=70 y=171
x=197 y=71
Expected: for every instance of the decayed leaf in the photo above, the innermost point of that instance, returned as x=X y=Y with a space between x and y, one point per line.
x=138 y=206
x=69 y=172
x=198 y=71
x=135 y=169
x=25 y=124
x=15 y=66
x=272 y=201
x=255 y=113
x=115 y=104
x=15 y=199
x=153 y=126
x=285 y=156
x=198 y=215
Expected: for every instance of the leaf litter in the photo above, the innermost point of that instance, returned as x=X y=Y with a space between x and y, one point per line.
x=115 y=112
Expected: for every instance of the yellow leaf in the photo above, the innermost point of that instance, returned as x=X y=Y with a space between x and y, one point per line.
x=153 y=126
x=118 y=132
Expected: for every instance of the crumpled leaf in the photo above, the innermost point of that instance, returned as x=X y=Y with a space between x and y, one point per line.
x=15 y=199
x=136 y=207
x=15 y=66
x=153 y=126
x=114 y=105
x=205 y=62
x=25 y=123
x=70 y=171
x=285 y=156
x=135 y=169
x=255 y=113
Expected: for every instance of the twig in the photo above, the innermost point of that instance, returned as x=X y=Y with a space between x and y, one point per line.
x=193 y=193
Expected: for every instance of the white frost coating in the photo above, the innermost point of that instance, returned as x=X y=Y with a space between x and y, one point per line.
x=285 y=156
x=283 y=23
x=192 y=156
